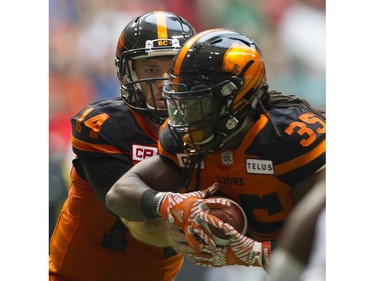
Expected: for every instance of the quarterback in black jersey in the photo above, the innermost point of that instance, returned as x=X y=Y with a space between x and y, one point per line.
x=226 y=133
x=109 y=136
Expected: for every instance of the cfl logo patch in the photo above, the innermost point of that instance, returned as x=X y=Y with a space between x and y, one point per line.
x=227 y=158
x=141 y=152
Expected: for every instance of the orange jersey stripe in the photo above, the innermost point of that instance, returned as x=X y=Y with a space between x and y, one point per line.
x=161 y=25
x=85 y=146
x=302 y=160
x=142 y=122
x=256 y=128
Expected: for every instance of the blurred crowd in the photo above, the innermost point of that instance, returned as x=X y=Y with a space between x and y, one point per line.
x=82 y=38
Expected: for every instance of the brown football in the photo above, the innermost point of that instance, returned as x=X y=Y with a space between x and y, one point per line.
x=234 y=215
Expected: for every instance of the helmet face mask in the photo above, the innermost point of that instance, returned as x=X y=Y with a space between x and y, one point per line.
x=143 y=89
x=153 y=35
x=194 y=115
x=215 y=81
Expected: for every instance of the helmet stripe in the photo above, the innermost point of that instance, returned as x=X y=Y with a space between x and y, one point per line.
x=161 y=22
x=181 y=55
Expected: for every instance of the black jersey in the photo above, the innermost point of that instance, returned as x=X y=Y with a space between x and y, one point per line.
x=262 y=171
x=109 y=138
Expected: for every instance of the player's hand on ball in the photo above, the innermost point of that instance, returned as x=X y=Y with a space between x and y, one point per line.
x=184 y=209
x=241 y=250
x=233 y=215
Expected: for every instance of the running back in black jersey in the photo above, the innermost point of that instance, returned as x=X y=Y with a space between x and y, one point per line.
x=262 y=171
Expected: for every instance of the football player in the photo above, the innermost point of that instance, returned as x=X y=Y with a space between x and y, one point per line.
x=109 y=136
x=226 y=130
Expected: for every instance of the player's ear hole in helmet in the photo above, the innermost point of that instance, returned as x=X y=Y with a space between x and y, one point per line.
x=216 y=81
x=156 y=34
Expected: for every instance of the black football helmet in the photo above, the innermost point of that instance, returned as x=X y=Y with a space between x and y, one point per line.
x=216 y=80
x=152 y=34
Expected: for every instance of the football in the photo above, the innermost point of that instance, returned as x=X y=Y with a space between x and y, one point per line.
x=233 y=215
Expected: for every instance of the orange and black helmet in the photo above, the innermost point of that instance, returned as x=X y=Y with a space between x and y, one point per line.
x=154 y=34
x=214 y=82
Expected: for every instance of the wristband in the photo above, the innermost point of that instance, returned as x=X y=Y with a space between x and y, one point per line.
x=150 y=203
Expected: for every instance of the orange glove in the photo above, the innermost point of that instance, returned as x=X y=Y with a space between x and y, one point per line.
x=241 y=251
x=186 y=210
